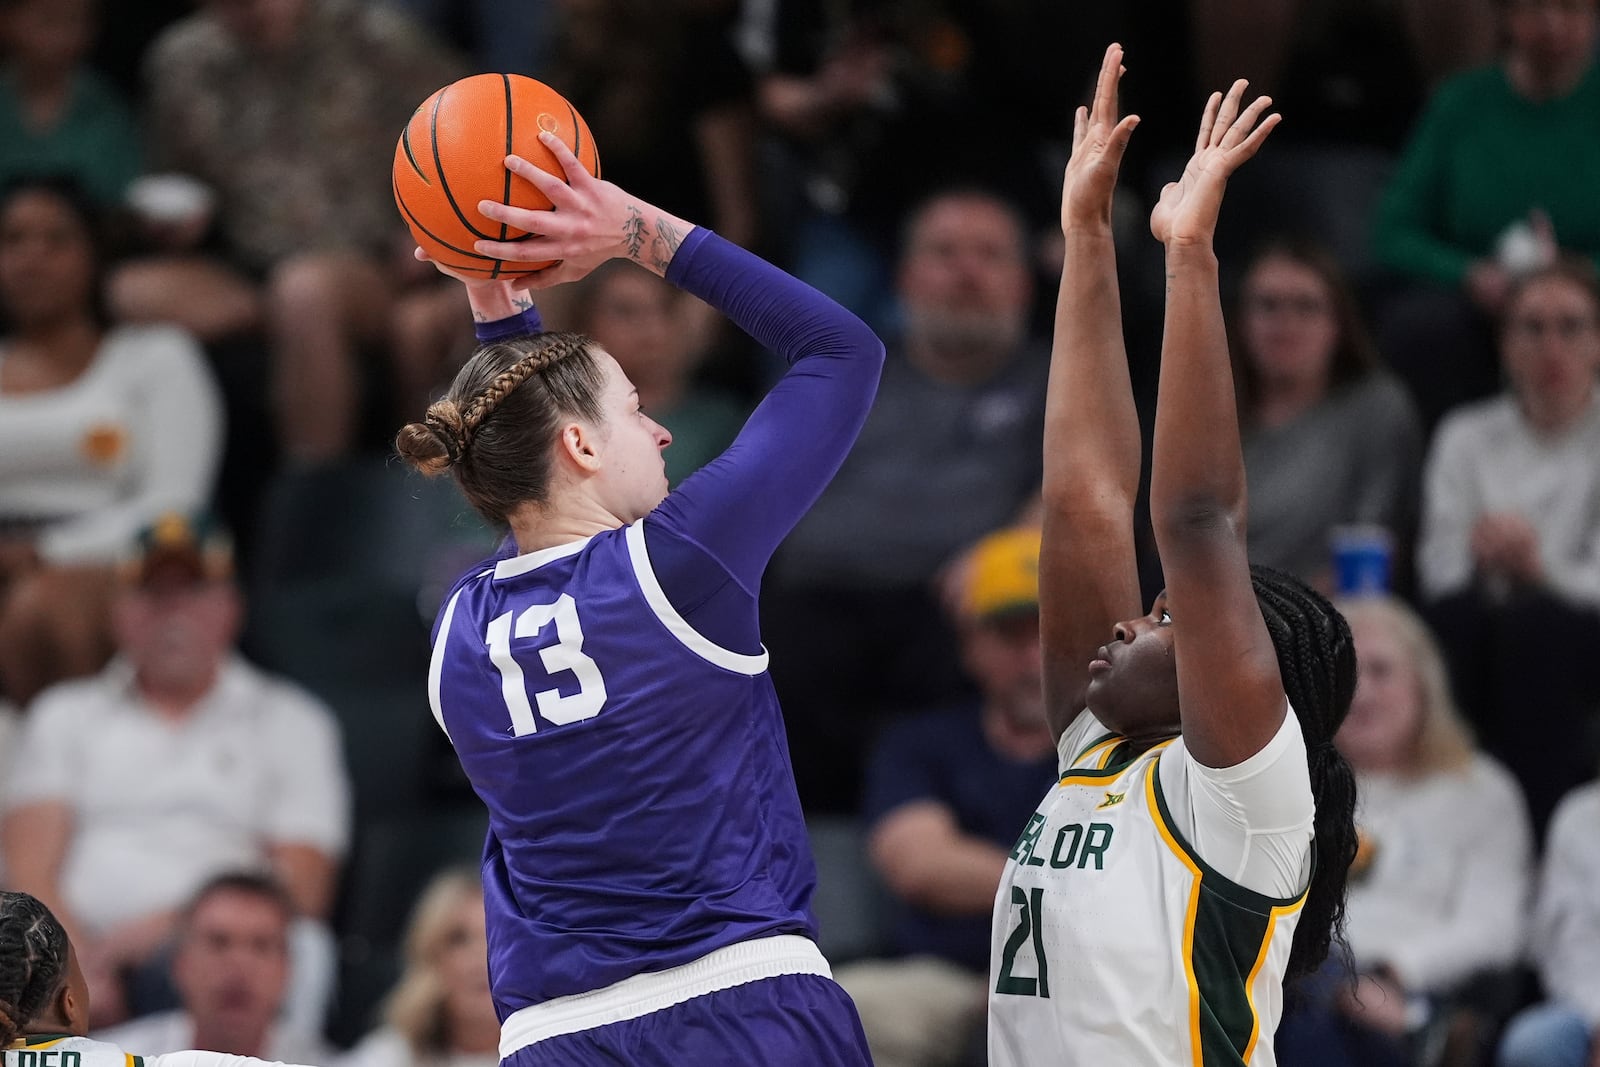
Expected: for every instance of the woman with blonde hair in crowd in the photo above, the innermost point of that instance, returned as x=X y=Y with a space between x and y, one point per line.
x=440 y=1013
x=1440 y=884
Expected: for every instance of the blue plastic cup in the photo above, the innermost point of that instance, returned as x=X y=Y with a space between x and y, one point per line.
x=1362 y=556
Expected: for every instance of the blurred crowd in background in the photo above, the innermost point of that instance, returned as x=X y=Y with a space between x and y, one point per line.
x=216 y=586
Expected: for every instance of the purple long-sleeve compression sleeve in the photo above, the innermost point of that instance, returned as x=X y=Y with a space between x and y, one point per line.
x=738 y=508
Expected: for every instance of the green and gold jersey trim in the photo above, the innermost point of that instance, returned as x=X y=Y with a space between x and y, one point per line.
x=1105 y=744
x=1110 y=759
x=1227 y=934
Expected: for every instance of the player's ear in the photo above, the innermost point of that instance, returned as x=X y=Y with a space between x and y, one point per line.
x=70 y=1007
x=580 y=445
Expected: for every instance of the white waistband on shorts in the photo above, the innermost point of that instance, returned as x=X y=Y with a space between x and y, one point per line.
x=641 y=994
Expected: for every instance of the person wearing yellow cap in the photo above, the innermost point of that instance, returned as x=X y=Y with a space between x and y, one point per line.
x=945 y=791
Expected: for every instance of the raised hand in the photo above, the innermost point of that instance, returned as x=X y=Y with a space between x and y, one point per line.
x=1188 y=208
x=1099 y=141
x=590 y=222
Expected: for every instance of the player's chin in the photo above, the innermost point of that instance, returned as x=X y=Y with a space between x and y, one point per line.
x=1097 y=685
x=1104 y=697
x=654 y=500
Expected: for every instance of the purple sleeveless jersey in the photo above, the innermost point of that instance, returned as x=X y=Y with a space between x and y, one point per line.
x=642 y=809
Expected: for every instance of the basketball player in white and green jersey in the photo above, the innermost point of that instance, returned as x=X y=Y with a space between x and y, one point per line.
x=1194 y=852
x=44 y=1001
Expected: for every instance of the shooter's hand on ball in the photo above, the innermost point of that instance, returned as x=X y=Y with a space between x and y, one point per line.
x=592 y=221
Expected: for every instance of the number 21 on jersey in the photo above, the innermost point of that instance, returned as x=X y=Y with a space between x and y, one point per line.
x=565 y=654
x=1030 y=927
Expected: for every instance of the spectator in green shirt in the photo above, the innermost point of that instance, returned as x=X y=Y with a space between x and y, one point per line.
x=1508 y=148
x=57 y=116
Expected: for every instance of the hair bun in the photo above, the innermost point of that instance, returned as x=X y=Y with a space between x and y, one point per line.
x=429 y=447
x=445 y=420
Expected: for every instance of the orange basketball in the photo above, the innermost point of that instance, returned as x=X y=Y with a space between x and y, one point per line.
x=452 y=155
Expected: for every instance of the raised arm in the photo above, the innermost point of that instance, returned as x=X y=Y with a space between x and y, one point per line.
x=1087 y=574
x=1229 y=689
x=741 y=505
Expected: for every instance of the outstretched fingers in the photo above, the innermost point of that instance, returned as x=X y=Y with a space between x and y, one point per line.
x=1098 y=123
x=1121 y=136
x=1208 y=119
x=1104 y=111
x=1227 y=113
x=1247 y=148
x=1241 y=127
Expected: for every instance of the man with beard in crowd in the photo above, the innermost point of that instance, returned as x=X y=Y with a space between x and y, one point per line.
x=950 y=451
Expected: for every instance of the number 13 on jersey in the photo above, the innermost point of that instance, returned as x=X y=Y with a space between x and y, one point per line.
x=566 y=654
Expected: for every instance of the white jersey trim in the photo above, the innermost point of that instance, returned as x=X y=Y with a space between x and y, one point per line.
x=691 y=638
x=436 y=663
x=631 y=998
x=515 y=565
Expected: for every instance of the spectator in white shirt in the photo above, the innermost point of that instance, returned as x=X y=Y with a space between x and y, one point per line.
x=231 y=967
x=1509 y=557
x=1564 y=946
x=180 y=761
x=102 y=428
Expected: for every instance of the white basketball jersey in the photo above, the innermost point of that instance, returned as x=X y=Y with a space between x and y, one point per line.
x=1114 y=943
x=50 y=1050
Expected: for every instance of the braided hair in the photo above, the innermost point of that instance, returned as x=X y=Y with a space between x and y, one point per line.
x=496 y=425
x=1317 y=659
x=33 y=962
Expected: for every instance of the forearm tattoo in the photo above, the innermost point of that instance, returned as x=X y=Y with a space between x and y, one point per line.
x=633 y=233
x=666 y=243
x=520 y=302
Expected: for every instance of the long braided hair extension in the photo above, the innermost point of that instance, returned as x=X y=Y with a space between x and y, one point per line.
x=495 y=426
x=1317 y=659
x=33 y=961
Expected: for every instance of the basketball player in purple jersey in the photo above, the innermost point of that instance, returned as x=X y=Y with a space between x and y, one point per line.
x=647 y=877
